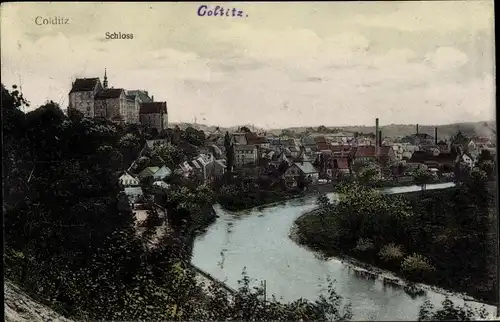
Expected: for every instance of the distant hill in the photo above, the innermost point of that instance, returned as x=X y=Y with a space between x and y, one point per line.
x=445 y=131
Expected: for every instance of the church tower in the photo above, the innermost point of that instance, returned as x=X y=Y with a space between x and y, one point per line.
x=105 y=83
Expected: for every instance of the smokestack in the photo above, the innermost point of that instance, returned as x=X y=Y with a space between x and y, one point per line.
x=153 y=98
x=379 y=138
x=417 y=128
x=436 y=135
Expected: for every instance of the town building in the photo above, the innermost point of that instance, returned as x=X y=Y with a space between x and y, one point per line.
x=162 y=173
x=134 y=194
x=245 y=155
x=128 y=180
x=82 y=94
x=301 y=169
x=110 y=103
x=153 y=115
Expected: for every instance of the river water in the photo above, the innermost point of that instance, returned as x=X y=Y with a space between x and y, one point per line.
x=258 y=240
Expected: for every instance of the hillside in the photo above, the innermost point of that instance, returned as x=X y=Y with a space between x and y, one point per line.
x=20 y=307
x=487 y=129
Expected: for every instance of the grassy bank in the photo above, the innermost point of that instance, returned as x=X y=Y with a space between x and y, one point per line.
x=421 y=237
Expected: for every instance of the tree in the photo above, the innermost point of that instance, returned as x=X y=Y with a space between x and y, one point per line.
x=245 y=129
x=369 y=174
x=459 y=139
x=249 y=304
x=194 y=136
x=323 y=129
x=450 y=312
x=171 y=154
x=229 y=154
x=421 y=177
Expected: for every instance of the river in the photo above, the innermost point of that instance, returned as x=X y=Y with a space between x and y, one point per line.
x=258 y=239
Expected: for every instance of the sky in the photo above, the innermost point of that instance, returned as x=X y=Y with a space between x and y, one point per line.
x=280 y=65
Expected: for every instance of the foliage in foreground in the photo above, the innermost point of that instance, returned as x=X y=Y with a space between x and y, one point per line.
x=450 y=312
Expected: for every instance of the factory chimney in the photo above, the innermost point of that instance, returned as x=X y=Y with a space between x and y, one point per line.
x=417 y=128
x=377 y=138
x=436 y=135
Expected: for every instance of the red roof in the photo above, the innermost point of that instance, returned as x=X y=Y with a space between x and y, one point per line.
x=481 y=140
x=323 y=146
x=320 y=139
x=340 y=148
x=365 y=151
x=342 y=163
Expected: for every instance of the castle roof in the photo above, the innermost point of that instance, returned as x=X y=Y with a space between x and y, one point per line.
x=153 y=108
x=109 y=93
x=84 y=84
x=143 y=95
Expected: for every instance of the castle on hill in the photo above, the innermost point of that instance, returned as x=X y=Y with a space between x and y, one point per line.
x=95 y=100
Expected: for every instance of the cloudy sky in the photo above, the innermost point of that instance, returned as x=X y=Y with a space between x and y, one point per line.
x=295 y=64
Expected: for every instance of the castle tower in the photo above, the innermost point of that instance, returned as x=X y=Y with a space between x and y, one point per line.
x=105 y=83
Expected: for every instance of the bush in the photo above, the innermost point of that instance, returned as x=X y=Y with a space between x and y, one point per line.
x=391 y=252
x=416 y=264
x=364 y=245
x=450 y=312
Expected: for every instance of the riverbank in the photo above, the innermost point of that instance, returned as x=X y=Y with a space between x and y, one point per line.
x=377 y=268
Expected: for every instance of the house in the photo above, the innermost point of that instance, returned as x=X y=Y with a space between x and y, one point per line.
x=309 y=142
x=186 y=168
x=161 y=184
x=214 y=139
x=341 y=150
x=154 y=115
x=305 y=169
x=215 y=170
x=133 y=194
x=127 y=180
x=422 y=138
x=322 y=144
x=444 y=161
x=477 y=144
x=386 y=155
x=468 y=159
x=239 y=138
x=148 y=172
x=364 y=154
x=245 y=154
x=82 y=94
x=339 y=137
x=111 y=104
x=340 y=165
x=294 y=151
x=162 y=173
x=331 y=163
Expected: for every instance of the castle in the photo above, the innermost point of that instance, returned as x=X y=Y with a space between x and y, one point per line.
x=94 y=99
